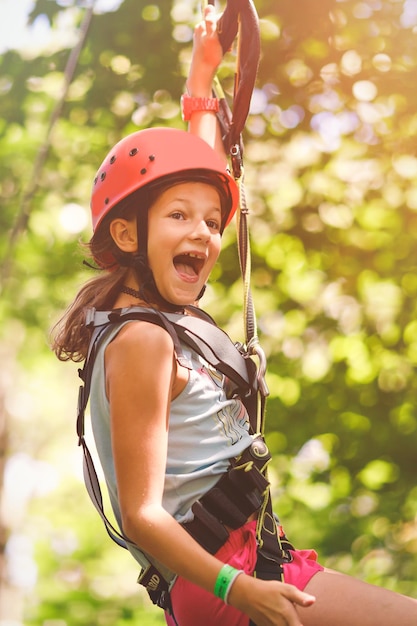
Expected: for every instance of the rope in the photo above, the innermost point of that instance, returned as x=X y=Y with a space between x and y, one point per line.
x=250 y=324
x=245 y=262
x=22 y=217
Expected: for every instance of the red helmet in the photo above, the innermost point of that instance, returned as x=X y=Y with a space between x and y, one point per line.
x=148 y=155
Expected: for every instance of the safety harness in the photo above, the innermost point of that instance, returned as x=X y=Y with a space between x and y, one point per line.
x=243 y=490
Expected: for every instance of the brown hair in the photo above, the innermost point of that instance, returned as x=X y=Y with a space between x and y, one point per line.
x=70 y=335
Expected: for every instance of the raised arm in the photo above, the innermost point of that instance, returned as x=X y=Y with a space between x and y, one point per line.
x=207 y=55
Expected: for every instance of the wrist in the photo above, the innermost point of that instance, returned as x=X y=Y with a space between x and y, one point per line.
x=192 y=104
x=241 y=593
x=225 y=581
x=200 y=83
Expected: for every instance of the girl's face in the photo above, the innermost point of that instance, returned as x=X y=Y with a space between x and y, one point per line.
x=184 y=240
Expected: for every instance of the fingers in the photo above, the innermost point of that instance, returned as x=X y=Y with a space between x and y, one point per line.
x=273 y=603
x=209 y=20
x=207 y=51
x=209 y=14
x=208 y=11
x=293 y=598
x=298 y=597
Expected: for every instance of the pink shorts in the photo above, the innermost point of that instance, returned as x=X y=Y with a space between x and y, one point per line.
x=193 y=605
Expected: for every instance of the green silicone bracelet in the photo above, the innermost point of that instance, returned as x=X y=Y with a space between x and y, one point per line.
x=224 y=580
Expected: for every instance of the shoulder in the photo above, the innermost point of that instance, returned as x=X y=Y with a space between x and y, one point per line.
x=138 y=340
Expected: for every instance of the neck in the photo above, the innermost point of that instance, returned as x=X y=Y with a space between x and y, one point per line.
x=164 y=305
x=131 y=292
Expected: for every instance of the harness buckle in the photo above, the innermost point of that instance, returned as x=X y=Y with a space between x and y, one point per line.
x=156 y=586
x=237 y=160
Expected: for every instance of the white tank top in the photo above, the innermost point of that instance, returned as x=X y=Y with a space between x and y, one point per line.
x=206 y=429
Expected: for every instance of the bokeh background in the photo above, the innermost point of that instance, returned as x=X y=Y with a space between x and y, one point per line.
x=331 y=180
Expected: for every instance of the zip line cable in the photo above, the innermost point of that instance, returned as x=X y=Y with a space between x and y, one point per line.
x=22 y=217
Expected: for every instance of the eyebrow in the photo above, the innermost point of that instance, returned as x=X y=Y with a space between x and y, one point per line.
x=213 y=207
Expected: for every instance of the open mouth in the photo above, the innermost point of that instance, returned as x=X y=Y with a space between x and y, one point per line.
x=190 y=264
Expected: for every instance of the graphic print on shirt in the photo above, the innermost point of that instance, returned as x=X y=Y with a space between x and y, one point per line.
x=232 y=416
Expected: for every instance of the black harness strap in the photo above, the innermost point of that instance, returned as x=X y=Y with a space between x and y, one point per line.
x=199 y=333
x=239 y=16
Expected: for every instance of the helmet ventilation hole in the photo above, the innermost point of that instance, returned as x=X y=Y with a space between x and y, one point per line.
x=151 y=157
x=102 y=175
x=112 y=160
x=133 y=151
x=143 y=170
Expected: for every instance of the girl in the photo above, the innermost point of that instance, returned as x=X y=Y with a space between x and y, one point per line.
x=167 y=429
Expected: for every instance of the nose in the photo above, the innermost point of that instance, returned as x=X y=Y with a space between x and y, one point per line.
x=201 y=231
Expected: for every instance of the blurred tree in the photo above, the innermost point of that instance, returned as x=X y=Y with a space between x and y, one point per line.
x=331 y=179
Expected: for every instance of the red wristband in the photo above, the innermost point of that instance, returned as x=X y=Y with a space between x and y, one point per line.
x=189 y=105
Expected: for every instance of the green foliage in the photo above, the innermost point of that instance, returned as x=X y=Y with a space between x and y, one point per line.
x=330 y=173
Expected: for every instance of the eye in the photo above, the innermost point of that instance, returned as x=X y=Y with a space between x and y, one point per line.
x=213 y=224
x=177 y=215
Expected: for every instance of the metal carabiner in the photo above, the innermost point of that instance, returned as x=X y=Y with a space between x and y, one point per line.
x=254 y=347
x=237 y=160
